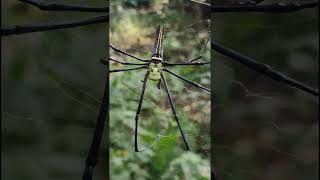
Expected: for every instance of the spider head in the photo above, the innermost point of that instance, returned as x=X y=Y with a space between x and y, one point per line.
x=155 y=70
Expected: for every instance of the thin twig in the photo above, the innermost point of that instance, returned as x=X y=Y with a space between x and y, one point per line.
x=266 y=8
x=46 y=6
x=245 y=2
x=22 y=29
x=262 y=68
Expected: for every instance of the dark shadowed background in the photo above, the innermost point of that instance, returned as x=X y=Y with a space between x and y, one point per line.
x=263 y=129
x=51 y=85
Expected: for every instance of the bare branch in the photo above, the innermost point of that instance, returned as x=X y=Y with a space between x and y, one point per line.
x=243 y=2
x=64 y=7
x=262 y=68
x=266 y=8
x=22 y=29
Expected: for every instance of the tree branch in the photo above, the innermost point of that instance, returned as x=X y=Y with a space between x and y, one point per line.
x=22 y=29
x=262 y=68
x=266 y=8
x=64 y=7
x=243 y=2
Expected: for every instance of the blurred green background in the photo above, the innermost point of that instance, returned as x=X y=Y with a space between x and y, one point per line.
x=263 y=129
x=132 y=27
x=51 y=86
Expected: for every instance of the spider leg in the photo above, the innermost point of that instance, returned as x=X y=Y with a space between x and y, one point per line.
x=202 y=51
x=138 y=112
x=194 y=59
x=159 y=84
x=128 y=69
x=175 y=113
x=188 y=81
x=128 y=54
x=92 y=157
x=166 y=63
x=104 y=61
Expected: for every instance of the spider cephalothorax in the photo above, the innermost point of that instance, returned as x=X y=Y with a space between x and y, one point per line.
x=155 y=70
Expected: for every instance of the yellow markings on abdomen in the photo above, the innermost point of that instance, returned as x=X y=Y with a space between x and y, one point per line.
x=159 y=40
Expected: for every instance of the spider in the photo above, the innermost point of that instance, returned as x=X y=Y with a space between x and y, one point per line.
x=155 y=66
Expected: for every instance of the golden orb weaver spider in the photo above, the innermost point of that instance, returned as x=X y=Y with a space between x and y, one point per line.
x=155 y=68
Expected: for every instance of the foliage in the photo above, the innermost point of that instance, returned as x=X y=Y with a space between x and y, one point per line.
x=132 y=29
x=188 y=166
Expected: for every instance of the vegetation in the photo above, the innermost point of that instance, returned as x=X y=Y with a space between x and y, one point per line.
x=131 y=28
